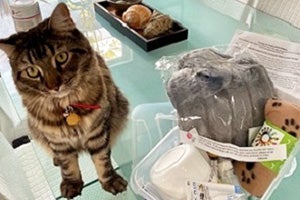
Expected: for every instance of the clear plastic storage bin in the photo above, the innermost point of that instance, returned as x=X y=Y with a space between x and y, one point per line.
x=151 y=122
x=140 y=179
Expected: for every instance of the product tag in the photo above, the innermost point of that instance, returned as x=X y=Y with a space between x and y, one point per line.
x=269 y=135
x=227 y=150
x=210 y=191
x=73 y=119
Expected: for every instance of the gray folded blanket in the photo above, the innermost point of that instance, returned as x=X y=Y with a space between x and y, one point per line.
x=220 y=96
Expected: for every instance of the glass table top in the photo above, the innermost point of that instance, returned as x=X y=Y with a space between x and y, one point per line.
x=209 y=23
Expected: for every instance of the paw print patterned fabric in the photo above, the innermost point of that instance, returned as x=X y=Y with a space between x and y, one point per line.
x=257 y=177
x=284 y=115
x=219 y=95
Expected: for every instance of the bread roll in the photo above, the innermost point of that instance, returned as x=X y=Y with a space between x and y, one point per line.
x=137 y=16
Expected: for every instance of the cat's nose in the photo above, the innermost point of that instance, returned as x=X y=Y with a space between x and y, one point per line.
x=53 y=87
x=54 y=84
x=56 y=88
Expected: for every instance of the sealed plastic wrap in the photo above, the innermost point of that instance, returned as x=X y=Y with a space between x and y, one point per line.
x=222 y=96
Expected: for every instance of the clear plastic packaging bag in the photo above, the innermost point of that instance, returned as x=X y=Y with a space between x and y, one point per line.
x=220 y=95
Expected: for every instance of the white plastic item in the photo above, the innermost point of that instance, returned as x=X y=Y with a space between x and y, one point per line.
x=140 y=177
x=174 y=167
x=26 y=14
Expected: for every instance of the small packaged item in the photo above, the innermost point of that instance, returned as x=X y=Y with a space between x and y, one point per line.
x=197 y=190
x=226 y=172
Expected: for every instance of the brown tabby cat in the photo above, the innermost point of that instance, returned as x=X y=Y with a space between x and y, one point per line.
x=72 y=102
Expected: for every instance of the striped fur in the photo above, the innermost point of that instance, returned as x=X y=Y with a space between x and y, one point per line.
x=54 y=67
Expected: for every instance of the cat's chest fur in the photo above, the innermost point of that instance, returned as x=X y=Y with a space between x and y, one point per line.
x=49 y=123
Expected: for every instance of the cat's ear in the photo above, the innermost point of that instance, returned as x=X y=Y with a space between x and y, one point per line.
x=61 y=20
x=7 y=46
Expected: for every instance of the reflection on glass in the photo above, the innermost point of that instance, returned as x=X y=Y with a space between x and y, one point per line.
x=83 y=12
x=107 y=46
x=100 y=39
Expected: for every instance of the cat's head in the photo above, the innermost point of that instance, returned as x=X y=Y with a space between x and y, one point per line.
x=50 y=58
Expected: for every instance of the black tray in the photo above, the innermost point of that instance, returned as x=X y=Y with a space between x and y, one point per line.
x=176 y=34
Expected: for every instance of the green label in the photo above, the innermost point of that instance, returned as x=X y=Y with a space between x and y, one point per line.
x=268 y=135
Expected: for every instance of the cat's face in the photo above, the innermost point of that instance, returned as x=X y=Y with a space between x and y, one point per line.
x=51 y=58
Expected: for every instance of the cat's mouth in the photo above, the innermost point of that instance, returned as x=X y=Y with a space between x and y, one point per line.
x=61 y=90
x=59 y=94
x=67 y=82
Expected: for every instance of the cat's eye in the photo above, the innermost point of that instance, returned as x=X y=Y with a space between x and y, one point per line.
x=33 y=72
x=62 y=57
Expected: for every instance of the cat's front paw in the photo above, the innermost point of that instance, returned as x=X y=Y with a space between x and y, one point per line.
x=115 y=185
x=71 y=188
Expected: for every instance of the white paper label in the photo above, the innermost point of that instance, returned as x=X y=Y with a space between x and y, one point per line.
x=246 y=154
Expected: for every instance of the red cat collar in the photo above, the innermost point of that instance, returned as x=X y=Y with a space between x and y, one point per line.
x=86 y=106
